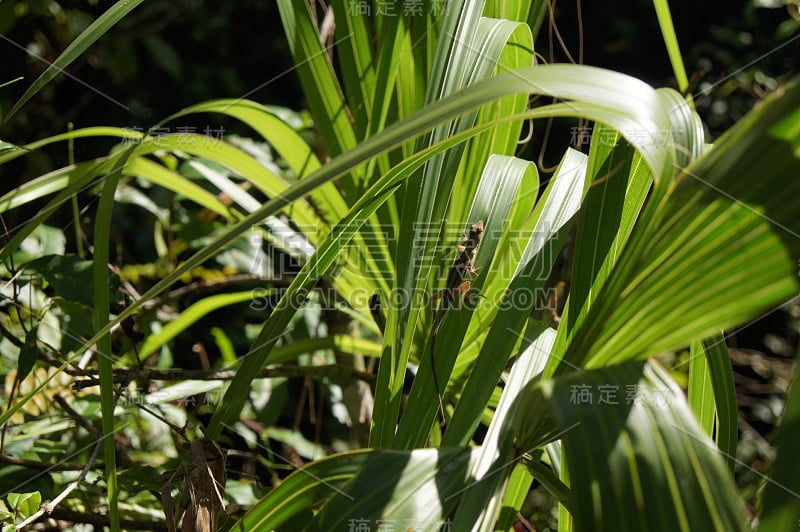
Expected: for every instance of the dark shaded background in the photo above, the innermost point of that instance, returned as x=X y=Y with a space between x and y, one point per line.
x=167 y=55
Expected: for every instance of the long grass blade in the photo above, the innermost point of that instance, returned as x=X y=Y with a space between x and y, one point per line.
x=105 y=360
x=96 y=29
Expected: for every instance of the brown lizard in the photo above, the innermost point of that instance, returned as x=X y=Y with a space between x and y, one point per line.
x=456 y=285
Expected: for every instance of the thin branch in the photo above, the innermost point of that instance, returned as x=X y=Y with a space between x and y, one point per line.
x=31 y=464
x=48 y=507
x=125 y=375
x=91 y=429
x=63 y=514
x=11 y=337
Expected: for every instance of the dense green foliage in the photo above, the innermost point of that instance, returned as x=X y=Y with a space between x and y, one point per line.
x=190 y=314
